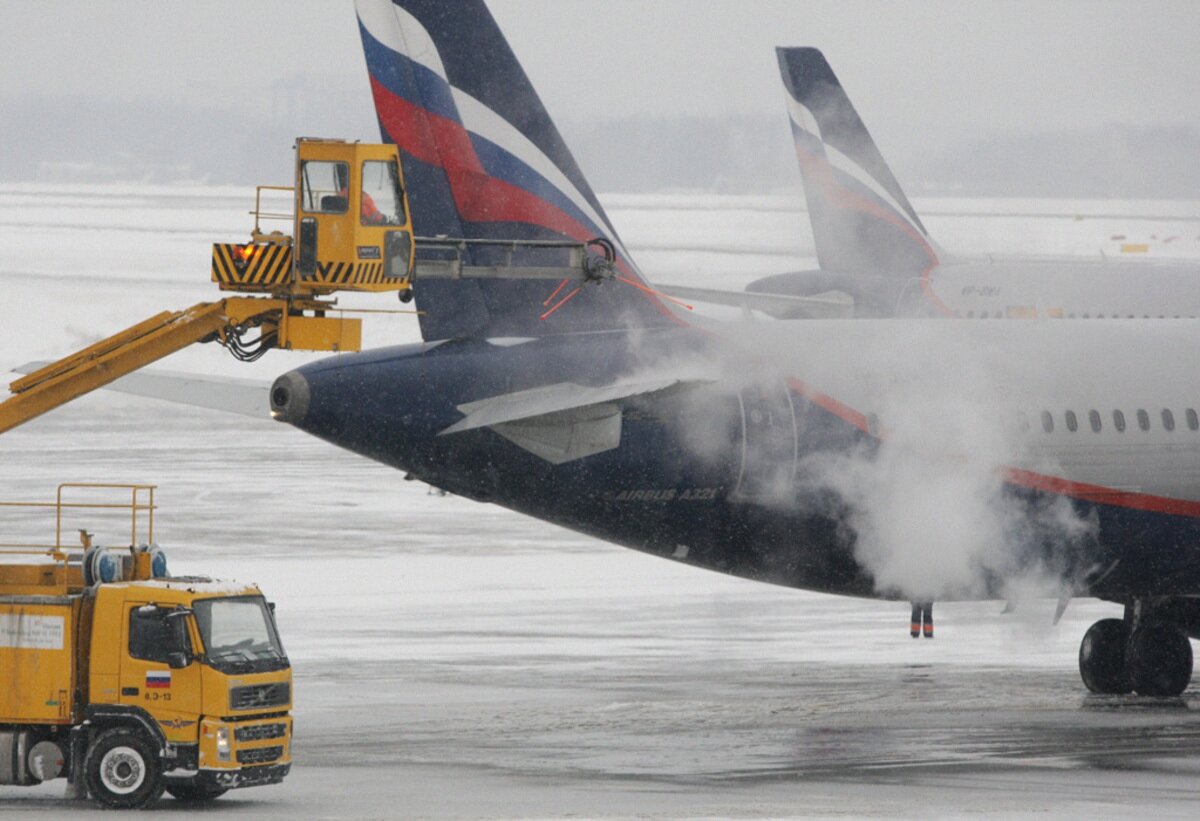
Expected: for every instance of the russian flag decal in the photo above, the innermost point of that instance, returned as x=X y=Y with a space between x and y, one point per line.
x=158 y=678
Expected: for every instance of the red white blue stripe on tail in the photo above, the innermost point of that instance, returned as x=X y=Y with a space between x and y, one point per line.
x=483 y=160
x=861 y=220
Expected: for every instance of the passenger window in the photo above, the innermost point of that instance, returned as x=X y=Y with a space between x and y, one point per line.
x=1022 y=422
x=1168 y=419
x=1047 y=422
x=1072 y=422
x=1094 y=420
x=152 y=637
x=1143 y=419
x=1193 y=422
x=324 y=186
x=1119 y=421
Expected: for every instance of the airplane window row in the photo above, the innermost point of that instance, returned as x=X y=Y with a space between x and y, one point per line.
x=1025 y=315
x=1096 y=422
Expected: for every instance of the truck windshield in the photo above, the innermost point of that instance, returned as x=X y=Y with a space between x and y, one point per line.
x=239 y=634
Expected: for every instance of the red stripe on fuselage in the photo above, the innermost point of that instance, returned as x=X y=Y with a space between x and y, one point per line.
x=824 y=400
x=1097 y=494
x=1100 y=494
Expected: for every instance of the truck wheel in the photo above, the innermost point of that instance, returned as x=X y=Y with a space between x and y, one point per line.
x=194 y=791
x=122 y=769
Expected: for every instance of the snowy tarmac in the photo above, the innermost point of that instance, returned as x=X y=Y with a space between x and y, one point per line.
x=455 y=660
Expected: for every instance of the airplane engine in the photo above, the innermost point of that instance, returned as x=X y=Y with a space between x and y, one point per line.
x=770 y=443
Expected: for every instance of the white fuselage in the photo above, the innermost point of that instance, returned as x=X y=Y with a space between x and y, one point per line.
x=962 y=387
x=1065 y=288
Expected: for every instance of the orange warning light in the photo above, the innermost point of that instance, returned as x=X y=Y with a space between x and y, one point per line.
x=246 y=252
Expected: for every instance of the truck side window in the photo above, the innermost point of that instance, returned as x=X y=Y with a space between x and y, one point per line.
x=324 y=186
x=153 y=637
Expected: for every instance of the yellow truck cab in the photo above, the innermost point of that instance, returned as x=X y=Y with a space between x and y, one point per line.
x=129 y=682
x=350 y=228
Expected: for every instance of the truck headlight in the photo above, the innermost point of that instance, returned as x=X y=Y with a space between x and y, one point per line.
x=223 y=744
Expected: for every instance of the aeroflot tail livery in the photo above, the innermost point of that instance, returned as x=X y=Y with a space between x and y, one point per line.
x=483 y=160
x=871 y=244
x=810 y=454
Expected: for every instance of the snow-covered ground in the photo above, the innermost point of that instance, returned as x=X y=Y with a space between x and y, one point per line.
x=453 y=659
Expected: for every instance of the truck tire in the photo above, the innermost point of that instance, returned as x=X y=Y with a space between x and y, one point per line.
x=122 y=770
x=194 y=791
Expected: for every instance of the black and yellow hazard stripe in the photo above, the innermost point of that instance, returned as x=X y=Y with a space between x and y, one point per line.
x=369 y=273
x=268 y=267
x=334 y=273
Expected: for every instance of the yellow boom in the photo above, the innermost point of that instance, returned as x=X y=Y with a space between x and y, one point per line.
x=351 y=231
x=280 y=323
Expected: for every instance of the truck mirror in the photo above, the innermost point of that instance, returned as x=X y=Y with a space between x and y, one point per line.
x=178 y=660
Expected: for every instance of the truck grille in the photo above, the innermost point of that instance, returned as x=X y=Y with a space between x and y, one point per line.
x=261 y=755
x=256 y=696
x=260 y=732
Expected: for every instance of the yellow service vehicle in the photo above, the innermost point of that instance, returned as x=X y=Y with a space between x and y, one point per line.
x=128 y=681
x=351 y=230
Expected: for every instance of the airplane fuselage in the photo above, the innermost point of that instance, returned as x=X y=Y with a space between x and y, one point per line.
x=1065 y=288
x=726 y=469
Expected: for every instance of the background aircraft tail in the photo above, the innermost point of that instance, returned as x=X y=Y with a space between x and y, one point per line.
x=483 y=160
x=861 y=220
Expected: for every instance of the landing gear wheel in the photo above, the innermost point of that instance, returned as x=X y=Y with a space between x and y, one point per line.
x=122 y=770
x=1160 y=659
x=194 y=791
x=1102 y=658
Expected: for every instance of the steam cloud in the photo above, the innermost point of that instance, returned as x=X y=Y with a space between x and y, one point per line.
x=926 y=506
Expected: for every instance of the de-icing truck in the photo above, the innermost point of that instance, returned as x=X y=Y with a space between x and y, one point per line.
x=127 y=681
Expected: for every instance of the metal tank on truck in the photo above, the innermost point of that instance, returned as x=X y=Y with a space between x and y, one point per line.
x=128 y=681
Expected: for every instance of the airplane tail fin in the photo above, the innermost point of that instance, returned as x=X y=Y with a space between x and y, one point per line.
x=483 y=160
x=861 y=220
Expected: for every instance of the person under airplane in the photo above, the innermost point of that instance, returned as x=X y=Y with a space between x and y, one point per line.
x=922 y=619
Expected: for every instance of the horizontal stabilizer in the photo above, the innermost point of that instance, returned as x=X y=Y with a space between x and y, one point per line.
x=830 y=305
x=246 y=397
x=556 y=398
x=566 y=435
x=563 y=421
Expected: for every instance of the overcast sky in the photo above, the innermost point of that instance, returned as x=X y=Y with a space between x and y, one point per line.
x=957 y=67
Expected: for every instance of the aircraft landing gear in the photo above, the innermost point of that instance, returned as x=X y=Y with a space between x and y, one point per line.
x=1159 y=659
x=1102 y=657
x=1154 y=658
